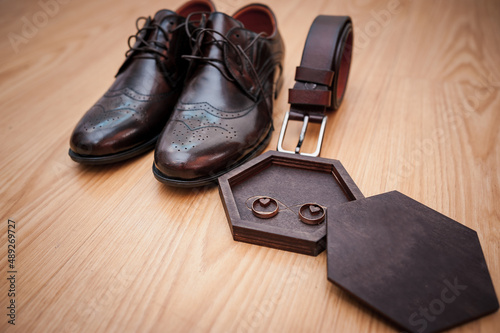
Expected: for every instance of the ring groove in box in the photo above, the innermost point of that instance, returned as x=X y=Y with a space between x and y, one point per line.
x=292 y=180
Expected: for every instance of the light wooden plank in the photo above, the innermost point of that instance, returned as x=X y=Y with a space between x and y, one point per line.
x=113 y=250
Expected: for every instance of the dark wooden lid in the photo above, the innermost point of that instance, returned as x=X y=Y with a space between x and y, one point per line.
x=415 y=266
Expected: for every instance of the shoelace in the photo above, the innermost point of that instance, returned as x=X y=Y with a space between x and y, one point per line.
x=150 y=24
x=148 y=46
x=155 y=47
x=198 y=35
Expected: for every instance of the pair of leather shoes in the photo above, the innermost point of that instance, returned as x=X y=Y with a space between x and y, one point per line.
x=198 y=83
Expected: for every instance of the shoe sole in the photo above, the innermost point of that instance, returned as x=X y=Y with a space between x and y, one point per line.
x=113 y=158
x=210 y=180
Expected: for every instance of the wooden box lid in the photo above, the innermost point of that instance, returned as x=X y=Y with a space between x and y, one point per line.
x=422 y=270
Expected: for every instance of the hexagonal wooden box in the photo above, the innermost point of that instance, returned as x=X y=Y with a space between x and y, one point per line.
x=292 y=180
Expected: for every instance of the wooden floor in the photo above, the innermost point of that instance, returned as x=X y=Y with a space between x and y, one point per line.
x=110 y=249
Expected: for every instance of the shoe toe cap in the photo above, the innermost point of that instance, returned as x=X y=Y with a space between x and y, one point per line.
x=181 y=165
x=109 y=134
x=90 y=143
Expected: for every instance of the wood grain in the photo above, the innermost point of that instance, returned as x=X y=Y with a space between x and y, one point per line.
x=112 y=250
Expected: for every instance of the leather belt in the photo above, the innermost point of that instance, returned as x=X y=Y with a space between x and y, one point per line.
x=321 y=78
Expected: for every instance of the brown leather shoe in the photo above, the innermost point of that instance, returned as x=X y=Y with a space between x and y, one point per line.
x=128 y=119
x=224 y=115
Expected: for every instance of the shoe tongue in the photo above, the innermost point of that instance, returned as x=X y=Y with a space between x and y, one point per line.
x=162 y=15
x=222 y=23
x=162 y=18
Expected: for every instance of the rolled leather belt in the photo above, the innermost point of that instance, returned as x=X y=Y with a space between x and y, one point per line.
x=321 y=78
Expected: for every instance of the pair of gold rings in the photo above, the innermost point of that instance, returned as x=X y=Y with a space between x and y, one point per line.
x=309 y=213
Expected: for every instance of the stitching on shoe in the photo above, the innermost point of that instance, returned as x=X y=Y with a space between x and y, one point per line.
x=210 y=105
x=131 y=93
x=206 y=107
x=201 y=127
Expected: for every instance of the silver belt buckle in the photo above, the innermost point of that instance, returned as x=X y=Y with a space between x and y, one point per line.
x=302 y=136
